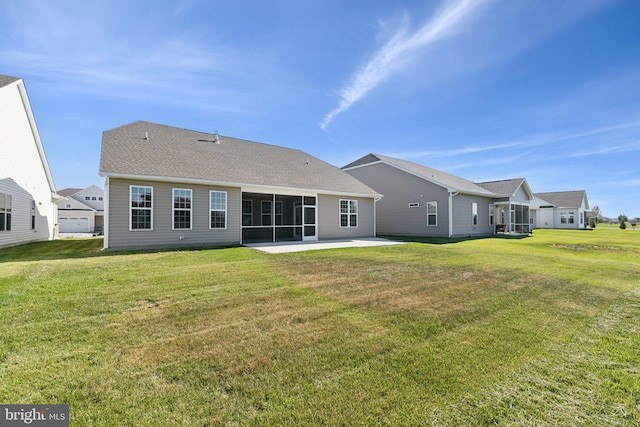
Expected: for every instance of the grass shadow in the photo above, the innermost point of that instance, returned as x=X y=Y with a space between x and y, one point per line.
x=73 y=248
x=448 y=240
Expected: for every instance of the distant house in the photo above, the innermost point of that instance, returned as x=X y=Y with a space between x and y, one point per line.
x=172 y=187
x=27 y=192
x=561 y=209
x=422 y=201
x=81 y=210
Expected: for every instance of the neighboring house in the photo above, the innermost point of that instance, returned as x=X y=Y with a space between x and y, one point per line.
x=561 y=209
x=513 y=210
x=171 y=187
x=81 y=210
x=27 y=192
x=422 y=201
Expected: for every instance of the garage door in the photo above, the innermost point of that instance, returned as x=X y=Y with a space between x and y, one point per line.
x=74 y=225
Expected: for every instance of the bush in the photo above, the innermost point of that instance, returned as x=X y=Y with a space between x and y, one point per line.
x=623 y=225
x=592 y=222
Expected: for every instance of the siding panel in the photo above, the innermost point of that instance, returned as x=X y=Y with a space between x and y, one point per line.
x=462 y=217
x=329 y=218
x=399 y=188
x=162 y=235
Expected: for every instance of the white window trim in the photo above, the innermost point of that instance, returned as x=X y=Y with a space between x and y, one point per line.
x=226 y=215
x=349 y=214
x=276 y=214
x=435 y=214
x=174 y=209
x=492 y=211
x=131 y=208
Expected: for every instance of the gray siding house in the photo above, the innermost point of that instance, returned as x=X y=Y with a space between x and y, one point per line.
x=561 y=209
x=172 y=187
x=422 y=201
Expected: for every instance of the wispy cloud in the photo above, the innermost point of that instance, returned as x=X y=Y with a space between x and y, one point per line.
x=447 y=23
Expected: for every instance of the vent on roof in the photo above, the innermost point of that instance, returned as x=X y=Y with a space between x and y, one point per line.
x=146 y=136
x=215 y=140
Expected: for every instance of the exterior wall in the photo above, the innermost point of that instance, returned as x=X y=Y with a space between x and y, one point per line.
x=462 y=216
x=399 y=188
x=557 y=218
x=329 y=218
x=521 y=196
x=92 y=191
x=22 y=172
x=544 y=218
x=118 y=235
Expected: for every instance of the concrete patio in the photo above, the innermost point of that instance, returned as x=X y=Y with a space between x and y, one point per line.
x=288 y=247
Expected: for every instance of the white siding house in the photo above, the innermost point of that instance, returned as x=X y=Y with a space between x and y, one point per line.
x=27 y=192
x=81 y=210
x=561 y=209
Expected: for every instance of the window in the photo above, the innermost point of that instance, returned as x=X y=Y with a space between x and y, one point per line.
x=181 y=209
x=414 y=205
x=491 y=212
x=67 y=205
x=432 y=214
x=5 y=212
x=94 y=198
x=571 y=217
x=348 y=213
x=218 y=209
x=247 y=213
x=87 y=198
x=266 y=212
x=100 y=198
x=141 y=207
x=563 y=217
x=33 y=214
x=474 y=214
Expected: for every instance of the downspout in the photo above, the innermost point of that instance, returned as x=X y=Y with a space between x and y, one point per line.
x=451 y=195
x=375 y=217
x=105 y=225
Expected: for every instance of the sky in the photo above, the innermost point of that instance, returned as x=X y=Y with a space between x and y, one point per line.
x=548 y=90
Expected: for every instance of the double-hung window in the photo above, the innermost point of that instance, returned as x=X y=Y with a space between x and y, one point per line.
x=218 y=209
x=491 y=214
x=348 y=213
x=432 y=214
x=141 y=207
x=5 y=212
x=266 y=212
x=182 y=209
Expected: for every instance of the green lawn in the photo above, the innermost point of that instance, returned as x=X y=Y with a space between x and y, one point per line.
x=537 y=331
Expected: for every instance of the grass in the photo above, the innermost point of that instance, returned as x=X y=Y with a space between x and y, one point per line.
x=535 y=331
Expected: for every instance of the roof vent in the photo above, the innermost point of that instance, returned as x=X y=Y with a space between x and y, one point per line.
x=215 y=140
x=146 y=136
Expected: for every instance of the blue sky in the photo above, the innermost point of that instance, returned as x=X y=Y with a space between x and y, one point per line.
x=548 y=90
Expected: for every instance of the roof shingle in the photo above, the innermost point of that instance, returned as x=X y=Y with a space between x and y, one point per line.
x=171 y=152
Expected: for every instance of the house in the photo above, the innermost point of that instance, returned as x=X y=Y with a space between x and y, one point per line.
x=27 y=192
x=172 y=187
x=561 y=209
x=422 y=201
x=512 y=210
x=81 y=210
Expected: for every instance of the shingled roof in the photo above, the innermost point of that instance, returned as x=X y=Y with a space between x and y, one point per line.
x=7 y=80
x=564 y=199
x=142 y=149
x=507 y=187
x=436 y=176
